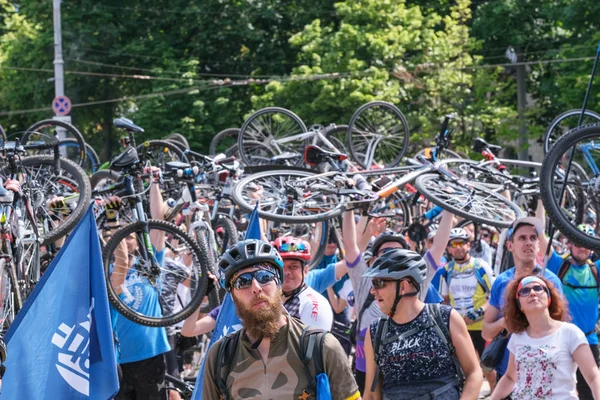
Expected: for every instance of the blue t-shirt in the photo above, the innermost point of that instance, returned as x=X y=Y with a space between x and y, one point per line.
x=497 y=300
x=138 y=342
x=583 y=302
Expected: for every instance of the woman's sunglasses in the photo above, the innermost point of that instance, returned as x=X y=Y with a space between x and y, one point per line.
x=526 y=291
x=244 y=281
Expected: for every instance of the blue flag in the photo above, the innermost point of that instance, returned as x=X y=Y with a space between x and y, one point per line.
x=227 y=320
x=60 y=345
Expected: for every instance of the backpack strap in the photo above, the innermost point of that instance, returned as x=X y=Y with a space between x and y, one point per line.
x=444 y=334
x=370 y=299
x=224 y=357
x=480 y=275
x=564 y=268
x=311 y=350
x=379 y=333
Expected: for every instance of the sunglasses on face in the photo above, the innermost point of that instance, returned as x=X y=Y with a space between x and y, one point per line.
x=455 y=245
x=526 y=291
x=485 y=235
x=244 y=281
x=379 y=283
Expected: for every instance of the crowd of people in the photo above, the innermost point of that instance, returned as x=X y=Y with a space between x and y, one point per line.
x=420 y=322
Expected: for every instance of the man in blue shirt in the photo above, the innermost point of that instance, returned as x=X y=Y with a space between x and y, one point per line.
x=523 y=241
x=579 y=276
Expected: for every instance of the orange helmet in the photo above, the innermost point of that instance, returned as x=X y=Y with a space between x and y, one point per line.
x=292 y=248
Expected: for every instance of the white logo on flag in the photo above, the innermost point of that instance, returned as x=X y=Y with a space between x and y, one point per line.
x=74 y=360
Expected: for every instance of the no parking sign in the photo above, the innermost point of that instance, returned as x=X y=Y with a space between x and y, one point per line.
x=61 y=105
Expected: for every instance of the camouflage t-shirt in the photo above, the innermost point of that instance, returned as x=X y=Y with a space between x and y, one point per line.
x=284 y=376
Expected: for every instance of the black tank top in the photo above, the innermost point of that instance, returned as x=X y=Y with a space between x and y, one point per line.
x=420 y=363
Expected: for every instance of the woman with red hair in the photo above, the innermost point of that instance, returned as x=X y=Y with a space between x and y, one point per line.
x=544 y=350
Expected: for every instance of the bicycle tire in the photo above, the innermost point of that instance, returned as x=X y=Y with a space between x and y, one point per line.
x=215 y=147
x=287 y=124
x=77 y=183
x=104 y=175
x=10 y=295
x=214 y=300
x=359 y=129
x=495 y=202
x=38 y=126
x=2 y=135
x=198 y=273
x=547 y=183
x=272 y=208
x=179 y=139
x=159 y=152
x=230 y=232
x=92 y=161
x=262 y=157
x=550 y=139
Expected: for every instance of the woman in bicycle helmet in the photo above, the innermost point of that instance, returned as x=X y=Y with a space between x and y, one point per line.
x=411 y=353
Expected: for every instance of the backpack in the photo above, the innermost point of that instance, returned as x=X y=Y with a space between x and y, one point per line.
x=479 y=274
x=566 y=264
x=311 y=351
x=436 y=322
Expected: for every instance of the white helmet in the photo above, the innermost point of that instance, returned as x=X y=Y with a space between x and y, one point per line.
x=458 y=233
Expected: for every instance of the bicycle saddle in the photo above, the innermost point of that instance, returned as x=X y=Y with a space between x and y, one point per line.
x=127 y=124
x=125 y=159
x=175 y=165
x=314 y=155
x=481 y=144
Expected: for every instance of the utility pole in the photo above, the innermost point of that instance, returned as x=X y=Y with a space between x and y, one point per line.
x=521 y=103
x=59 y=72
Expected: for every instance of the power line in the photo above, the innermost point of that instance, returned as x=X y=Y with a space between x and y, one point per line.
x=207 y=74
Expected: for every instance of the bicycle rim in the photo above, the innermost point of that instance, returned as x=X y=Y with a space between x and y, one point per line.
x=377 y=134
x=468 y=200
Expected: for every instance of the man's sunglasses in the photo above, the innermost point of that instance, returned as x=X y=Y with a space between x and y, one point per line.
x=485 y=235
x=244 y=281
x=526 y=291
x=454 y=245
x=379 y=283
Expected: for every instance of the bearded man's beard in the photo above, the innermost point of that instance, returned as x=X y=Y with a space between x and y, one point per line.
x=262 y=322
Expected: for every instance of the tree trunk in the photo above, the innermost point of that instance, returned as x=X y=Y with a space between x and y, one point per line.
x=107 y=129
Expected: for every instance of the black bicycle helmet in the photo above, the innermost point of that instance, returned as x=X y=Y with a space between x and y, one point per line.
x=247 y=253
x=398 y=264
x=387 y=237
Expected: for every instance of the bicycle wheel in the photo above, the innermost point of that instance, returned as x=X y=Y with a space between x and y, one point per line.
x=43 y=182
x=377 y=133
x=226 y=234
x=160 y=152
x=179 y=139
x=104 y=178
x=8 y=298
x=290 y=196
x=586 y=144
x=142 y=288
x=223 y=141
x=468 y=200
x=270 y=126
x=70 y=148
x=260 y=153
x=564 y=123
x=50 y=128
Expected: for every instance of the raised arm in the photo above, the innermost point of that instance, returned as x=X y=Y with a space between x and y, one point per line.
x=440 y=240
x=349 y=237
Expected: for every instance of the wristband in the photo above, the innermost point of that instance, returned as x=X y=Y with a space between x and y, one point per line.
x=353 y=264
x=112 y=215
